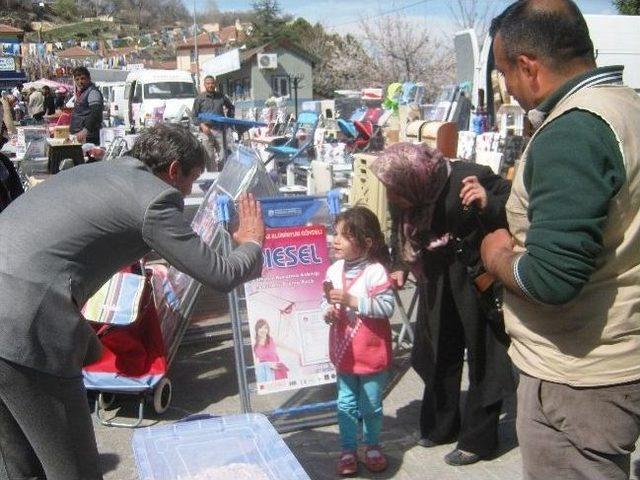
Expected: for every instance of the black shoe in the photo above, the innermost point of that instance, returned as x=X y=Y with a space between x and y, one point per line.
x=427 y=442
x=458 y=458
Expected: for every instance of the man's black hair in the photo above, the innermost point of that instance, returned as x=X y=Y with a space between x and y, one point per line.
x=160 y=145
x=556 y=35
x=77 y=71
x=211 y=77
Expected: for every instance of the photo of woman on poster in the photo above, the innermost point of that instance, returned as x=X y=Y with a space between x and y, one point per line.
x=268 y=365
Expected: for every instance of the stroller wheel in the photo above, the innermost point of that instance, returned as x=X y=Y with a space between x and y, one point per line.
x=162 y=396
x=106 y=400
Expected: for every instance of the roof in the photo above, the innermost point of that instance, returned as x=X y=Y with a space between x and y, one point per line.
x=76 y=52
x=204 y=40
x=269 y=47
x=117 y=52
x=4 y=28
x=231 y=34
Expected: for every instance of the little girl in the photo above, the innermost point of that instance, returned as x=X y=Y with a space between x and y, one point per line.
x=358 y=302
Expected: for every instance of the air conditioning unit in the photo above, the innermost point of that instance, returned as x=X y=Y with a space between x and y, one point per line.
x=268 y=60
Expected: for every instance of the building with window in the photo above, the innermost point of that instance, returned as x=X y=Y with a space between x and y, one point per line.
x=208 y=47
x=267 y=71
x=11 y=72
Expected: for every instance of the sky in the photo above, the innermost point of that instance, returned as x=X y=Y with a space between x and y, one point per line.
x=344 y=16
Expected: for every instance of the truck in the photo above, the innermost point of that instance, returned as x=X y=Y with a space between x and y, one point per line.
x=149 y=94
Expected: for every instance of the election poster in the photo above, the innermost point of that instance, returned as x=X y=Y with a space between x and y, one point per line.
x=289 y=338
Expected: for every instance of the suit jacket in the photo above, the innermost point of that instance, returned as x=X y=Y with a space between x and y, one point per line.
x=63 y=239
x=491 y=367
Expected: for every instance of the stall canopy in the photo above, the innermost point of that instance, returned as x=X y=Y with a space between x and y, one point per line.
x=45 y=81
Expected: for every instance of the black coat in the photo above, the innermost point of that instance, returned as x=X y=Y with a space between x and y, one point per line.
x=491 y=368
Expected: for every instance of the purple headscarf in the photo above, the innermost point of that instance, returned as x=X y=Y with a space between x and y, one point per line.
x=418 y=174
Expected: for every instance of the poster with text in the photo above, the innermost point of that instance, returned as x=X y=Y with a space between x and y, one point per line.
x=289 y=338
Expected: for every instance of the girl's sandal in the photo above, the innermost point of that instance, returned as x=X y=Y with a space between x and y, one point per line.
x=347 y=465
x=374 y=460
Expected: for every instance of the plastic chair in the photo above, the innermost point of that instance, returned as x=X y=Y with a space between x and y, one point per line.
x=300 y=141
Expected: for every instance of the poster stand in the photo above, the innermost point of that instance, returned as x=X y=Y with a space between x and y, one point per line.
x=301 y=411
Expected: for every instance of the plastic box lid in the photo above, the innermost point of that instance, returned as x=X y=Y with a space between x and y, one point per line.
x=228 y=447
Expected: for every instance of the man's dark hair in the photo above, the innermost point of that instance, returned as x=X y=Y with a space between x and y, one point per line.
x=211 y=77
x=158 y=146
x=77 y=71
x=557 y=35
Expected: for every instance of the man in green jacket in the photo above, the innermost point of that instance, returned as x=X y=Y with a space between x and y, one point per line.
x=570 y=260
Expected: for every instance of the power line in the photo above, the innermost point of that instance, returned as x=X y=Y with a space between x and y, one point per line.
x=394 y=10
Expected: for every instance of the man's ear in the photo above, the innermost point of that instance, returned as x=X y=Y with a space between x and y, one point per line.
x=174 y=170
x=528 y=66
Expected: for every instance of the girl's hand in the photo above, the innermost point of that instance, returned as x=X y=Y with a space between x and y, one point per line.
x=398 y=278
x=342 y=298
x=472 y=191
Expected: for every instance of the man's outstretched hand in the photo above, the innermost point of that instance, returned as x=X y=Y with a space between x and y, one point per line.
x=251 y=226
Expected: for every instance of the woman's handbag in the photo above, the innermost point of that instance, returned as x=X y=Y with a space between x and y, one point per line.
x=489 y=290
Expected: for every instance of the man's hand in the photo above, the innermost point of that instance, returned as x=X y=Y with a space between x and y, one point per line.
x=342 y=298
x=205 y=129
x=473 y=191
x=496 y=246
x=251 y=225
x=398 y=278
x=81 y=136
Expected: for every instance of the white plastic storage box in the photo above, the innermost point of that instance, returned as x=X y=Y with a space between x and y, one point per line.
x=233 y=447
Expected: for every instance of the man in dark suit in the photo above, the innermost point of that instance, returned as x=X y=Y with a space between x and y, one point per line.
x=60 y=242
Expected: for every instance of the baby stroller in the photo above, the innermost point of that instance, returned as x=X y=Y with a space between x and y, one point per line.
x=134 y=359
x=364 y=132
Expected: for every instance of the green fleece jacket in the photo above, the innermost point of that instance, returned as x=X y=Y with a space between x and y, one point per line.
x=574 y=169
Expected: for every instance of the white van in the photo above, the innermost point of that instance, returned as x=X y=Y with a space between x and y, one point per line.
x=118 y=104
x=152 y=92
x=108 y=90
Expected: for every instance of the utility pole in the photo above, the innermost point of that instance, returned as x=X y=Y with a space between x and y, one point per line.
x=195 y=46
x=295 y=79
x=41 y=8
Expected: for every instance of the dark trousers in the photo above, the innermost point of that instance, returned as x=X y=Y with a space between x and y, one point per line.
x=576 y=433
x=45 y=427
x=441 y=419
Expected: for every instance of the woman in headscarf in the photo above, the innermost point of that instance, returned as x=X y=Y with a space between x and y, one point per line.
x=441 y=211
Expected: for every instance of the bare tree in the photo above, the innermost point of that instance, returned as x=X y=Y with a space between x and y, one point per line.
x=404 y=51
x=474 y=14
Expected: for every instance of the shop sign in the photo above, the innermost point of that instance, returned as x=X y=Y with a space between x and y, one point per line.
x=7 y=64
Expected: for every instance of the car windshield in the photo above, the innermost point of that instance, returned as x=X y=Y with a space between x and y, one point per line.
x=168 y=90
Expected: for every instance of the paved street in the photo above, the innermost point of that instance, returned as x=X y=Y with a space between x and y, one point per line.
x=204 y=381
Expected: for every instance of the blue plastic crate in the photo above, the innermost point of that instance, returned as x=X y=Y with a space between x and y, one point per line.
x=200 y=448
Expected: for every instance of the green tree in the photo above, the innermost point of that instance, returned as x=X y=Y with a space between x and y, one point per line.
x=269 y=23
x=628 y=7
x=66 y=9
